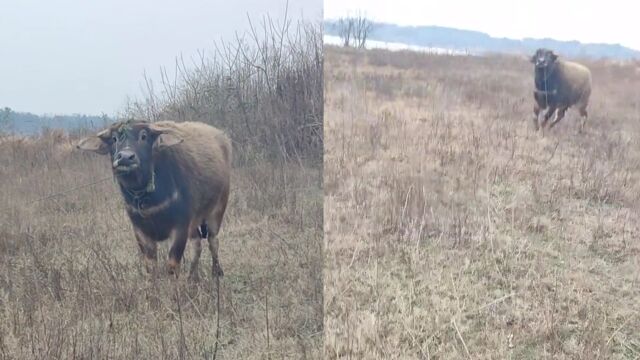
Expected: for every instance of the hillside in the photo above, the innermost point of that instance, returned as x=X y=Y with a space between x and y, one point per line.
x=478 y=42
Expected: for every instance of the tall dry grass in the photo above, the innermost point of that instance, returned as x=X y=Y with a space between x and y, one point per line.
x=72 y=285
x=453 y=230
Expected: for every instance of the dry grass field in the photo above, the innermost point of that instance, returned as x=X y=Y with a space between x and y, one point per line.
x=72 y=285
x=454 y=231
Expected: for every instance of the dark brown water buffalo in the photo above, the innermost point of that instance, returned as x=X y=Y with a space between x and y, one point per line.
x=174 y=178
x=559 y=85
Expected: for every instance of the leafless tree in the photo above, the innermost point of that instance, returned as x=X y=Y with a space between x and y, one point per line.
x=345 y=29
x=354 y=30
x=361 y=30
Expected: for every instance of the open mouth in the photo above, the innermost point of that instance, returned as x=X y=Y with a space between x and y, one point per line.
x=123 y=169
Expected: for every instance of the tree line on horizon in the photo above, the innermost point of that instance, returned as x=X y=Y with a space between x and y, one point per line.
x=26 y=123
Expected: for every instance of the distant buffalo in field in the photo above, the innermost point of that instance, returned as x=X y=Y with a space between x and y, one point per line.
x=174 y=178
x=559 y=85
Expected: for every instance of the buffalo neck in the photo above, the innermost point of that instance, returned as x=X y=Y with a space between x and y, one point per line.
x=161 y=184
x=544 y=77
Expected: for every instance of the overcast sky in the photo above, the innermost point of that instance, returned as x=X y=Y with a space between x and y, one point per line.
x=64 y=56
x=611 y=21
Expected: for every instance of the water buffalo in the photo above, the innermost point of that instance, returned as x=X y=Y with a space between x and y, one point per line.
x=559 y=85
x=174 y=178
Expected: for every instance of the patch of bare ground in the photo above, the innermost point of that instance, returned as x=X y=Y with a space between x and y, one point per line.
x=453 y=230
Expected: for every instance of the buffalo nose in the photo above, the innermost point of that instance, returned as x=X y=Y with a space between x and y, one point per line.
x=124 y=157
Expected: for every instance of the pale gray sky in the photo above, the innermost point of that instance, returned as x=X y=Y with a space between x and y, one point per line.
x=66 y=56
x=611 y=21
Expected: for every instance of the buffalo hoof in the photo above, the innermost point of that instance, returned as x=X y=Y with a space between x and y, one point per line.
x=173 y=267
x=217 y=271
x=194 y=276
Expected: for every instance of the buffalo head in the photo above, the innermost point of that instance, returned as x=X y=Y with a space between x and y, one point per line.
x=131 y=146
x=544 y=58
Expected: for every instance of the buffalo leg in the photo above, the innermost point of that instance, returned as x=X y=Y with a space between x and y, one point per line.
x=149 y=251
x=215 y=220
x=583 y=118
x=177 y=250
x=216 y=268
x=547 y=116
x=536 y=115
x=559 y=116
x=197 y=235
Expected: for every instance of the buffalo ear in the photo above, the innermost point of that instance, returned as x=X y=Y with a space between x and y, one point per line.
x=533 y=59
x=165 y=136
x=96 y=143
x=554 y=57
x=166 y=140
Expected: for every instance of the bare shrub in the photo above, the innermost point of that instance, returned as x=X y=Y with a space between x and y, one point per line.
x=264 y=89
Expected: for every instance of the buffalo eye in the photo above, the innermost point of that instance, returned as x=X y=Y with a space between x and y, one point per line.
x=114 y=139
x=143 y=135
